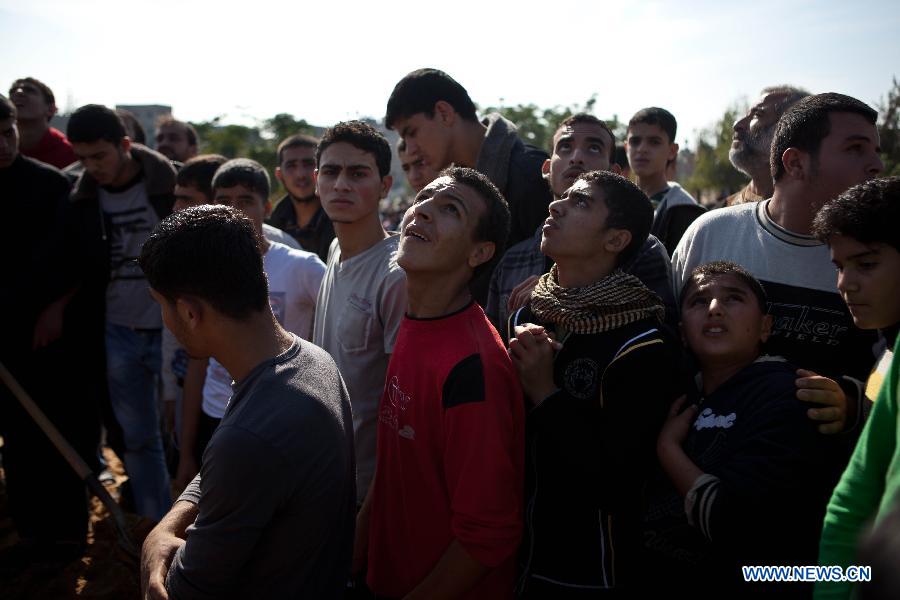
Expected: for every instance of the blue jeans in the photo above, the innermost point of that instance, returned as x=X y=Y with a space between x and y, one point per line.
x=133 y=365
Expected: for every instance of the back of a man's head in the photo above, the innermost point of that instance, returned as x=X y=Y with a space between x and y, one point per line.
x=628 y=208
x=133 y=127
x=189 y=131
x=420 y=90
x=245 y=172
x=209 y=253
x=93 y=123
x=808 y=122
x=198 y=173
x=360 y=135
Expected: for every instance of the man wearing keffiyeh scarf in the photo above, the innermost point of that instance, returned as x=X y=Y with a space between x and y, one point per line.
x=599 y=371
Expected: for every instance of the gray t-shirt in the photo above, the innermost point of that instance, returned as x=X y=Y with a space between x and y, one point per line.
x=360 y=305
x=275 y=495
x=131 y=219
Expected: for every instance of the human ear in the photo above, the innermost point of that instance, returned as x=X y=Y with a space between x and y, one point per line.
x=386 y=182
x=545 y=170
x=617 y=241
x=125 y=144
x=445 y=113
x=278 y=175
x=189 y=311
x=795 y=163
x=481 y=253
x=615 y=168
x=673 y=151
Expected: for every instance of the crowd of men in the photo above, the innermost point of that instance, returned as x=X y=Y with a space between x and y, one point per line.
x=551 y=381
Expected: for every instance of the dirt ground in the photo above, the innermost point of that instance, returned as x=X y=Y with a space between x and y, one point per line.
x=104 y=571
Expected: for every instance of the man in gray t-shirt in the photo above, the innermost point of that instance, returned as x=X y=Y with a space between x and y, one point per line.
x=272 y=512
x=362 y=298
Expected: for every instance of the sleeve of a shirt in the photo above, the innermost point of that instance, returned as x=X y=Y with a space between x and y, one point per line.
x=240 y=489
x=859 y=493
x=482 y=461
x=313 y=272
x=392 y=307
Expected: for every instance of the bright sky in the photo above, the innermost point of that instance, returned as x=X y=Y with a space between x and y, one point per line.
x=333 y=60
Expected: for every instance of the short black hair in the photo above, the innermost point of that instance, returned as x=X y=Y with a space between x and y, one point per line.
x=298 y=140
x=198 y=173
x=95 y=122
x=656 y=116
x=7 y=108
x=46 y=92
x=245 y=172
x=724 y=267
x=629 y=208
x=495 y=221
x=359 y=135
x=590 y=120
x=420 y=90
x=133 y=127
x=868 y=212
x=621 y=157
x=190 y=132
x=807 y=123
x=209 y=252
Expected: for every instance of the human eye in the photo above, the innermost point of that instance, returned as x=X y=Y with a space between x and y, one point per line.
x=867 y=265
x=564 y=147
x=451 y=208
x=595 y=148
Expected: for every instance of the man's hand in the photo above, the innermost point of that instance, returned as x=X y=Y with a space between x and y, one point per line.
x=532 y=354
x=159 y=549
x=675 y=429
x=812 y=387
x=521 y=294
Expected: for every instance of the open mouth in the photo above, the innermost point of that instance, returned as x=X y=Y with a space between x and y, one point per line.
x=410 y=232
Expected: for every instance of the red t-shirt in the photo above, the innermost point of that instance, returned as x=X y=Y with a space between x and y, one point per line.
x=53 y=149
x=450 y=455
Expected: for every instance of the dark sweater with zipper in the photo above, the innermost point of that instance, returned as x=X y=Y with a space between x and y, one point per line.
x=589 y=448
x=762 y=498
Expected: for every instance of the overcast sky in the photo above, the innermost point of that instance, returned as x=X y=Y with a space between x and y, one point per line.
x=334 y=60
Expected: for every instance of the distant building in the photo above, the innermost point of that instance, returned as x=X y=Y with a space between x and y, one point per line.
x=148 y=115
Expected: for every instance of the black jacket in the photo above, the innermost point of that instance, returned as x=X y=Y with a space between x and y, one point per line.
x=316 y=237
x=589 y=449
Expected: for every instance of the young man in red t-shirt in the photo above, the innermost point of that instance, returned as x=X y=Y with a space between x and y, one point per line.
x=36 y=105
x=443 y=517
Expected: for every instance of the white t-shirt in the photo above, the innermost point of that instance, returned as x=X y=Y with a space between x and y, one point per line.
x=361 y=304
x=294 y=277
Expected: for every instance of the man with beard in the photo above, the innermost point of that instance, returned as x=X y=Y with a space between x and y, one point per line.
x=753 y=138
x=176 y=139
x=581 y=143
x=822 y=146
x=300 y=213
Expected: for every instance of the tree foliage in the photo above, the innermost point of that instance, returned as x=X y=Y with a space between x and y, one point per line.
x=889 y=130
x=713 y=174
x=537 y=125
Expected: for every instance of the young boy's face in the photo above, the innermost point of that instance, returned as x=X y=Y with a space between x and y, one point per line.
x=721 y=320
x=348 y=183
x=869 y=280
x=187 y=196
x=649 y=149
x=576 y=228
x=577 y=148
x=242 y=198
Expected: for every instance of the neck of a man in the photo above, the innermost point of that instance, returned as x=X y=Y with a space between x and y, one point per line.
x=581 y=273
x=717 y=372
x=465 y=152
x=261 y=338
x=31 y=131
x=791 y=208
x=128 y=172
x=436 y=295
x=761 y=182
x=653 y=184
x=357 y=237
x=305 y=209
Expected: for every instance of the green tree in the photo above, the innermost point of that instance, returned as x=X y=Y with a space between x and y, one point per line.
x=713 y=174
x=889 y=130
x=537 y=125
